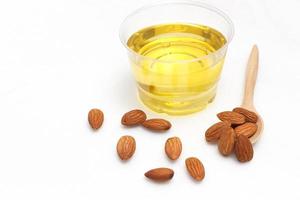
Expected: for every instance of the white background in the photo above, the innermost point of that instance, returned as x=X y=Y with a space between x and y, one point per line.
x=60 y=58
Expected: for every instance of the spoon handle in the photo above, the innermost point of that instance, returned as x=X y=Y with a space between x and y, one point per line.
x=251 y=75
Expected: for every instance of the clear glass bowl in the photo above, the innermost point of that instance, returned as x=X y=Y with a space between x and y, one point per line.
x=180 y=85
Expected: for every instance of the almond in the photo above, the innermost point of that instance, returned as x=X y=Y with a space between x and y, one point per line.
x=243 y=149
x=232 y=117
x=133 y=118
x=226 y=142
x=157 y=124
x=214 y=132
x=160 y=174
x=126 y=147
x=95 y=118
x=249 y=115
x=195 y=168
x=248 y=129
x=173 y=148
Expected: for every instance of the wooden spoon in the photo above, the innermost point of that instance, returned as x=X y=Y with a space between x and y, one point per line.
x=251 y=75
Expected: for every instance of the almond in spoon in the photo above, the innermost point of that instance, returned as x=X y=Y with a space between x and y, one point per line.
x=226 y=142
x=214 y=132
x=249 y=115
x=232 y=117
x=248 y=129
x=243 y=149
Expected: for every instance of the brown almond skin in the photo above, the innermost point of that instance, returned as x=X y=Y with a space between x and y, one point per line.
x=248 y=129
x=249 y=115
x=214 y=132
x=160 y=174
x=133 y=118
x=173 y=148
x=157 y=124
x=232 y=117
x=126 y=147
x=95 y=118
x=243 y=149
x=195 y=168
x=226 y=142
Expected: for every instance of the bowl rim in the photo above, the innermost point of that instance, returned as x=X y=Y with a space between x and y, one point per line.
x=181 y=2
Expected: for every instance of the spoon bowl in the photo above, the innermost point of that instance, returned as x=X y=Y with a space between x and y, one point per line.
x=260 y=125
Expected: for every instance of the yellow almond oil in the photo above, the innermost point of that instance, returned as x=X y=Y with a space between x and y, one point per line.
x=176 y=66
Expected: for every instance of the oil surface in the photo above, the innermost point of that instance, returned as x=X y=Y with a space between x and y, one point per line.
x=176 y=72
